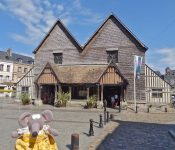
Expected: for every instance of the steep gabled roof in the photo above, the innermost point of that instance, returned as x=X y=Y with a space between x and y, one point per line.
x=74 y=41
x=80 y=48
x=80 y=74
x=52 y=67
x=113 y=64
x=122 y=25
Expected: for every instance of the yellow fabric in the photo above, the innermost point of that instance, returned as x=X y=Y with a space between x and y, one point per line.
x=41 y=142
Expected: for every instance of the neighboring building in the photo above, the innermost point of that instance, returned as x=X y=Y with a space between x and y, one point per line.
x=170 y=76
x=157 y=89
x=12 y=67
x=103 y=66
x=21 y=64
x=25 y=84
x=6 y=71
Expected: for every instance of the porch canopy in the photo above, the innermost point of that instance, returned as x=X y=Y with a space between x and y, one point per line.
x=81 y=74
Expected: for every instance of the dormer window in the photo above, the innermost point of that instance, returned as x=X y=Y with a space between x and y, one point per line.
x=112 y=55
x=58 y=58
x=19 y=60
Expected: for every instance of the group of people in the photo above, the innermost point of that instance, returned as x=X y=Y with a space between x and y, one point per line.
x=114 y=100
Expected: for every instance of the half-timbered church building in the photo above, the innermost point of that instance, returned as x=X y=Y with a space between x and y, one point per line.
x=104 y=66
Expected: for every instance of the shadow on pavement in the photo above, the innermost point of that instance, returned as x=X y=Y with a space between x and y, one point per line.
x=139 y=136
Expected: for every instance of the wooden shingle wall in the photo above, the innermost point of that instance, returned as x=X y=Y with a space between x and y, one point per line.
x=47 y=77
x=111 y=35
x=111 y=77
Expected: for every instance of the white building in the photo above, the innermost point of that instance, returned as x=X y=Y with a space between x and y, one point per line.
x=6 y=71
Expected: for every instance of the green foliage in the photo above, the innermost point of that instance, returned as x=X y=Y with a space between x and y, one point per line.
x=25 y=98
x=63 y=98
x=8 y=91
x=91 y=102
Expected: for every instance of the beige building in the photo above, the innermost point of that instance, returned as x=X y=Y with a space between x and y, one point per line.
x=19 y=70
x=21 y=64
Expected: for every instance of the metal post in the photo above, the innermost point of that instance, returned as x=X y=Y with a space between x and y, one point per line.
x=91 y=130
x=135 y=104
x=107 y=120
x=87 y=93
x=70 y=91
x=101 y=122
x=75 y=141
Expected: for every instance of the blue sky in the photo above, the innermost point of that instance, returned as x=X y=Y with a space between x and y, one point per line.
x=25 y=22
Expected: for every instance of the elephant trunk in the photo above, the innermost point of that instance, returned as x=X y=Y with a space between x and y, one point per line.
x=35 y=129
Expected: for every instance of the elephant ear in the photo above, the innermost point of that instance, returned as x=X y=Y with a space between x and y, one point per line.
x=23 y=119
x=47 y=115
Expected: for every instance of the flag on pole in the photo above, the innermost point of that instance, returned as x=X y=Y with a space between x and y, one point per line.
x=137 y=66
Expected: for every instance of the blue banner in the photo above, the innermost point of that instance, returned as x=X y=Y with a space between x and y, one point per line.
x=137 y=66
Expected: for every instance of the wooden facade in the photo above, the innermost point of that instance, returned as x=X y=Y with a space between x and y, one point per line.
x=112 y=34
x=111 y=77
x=47 y=77
x=85 y=69
x=157 y=89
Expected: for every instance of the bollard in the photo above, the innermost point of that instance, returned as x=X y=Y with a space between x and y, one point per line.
x=119 y=109
x=107 y=120
x=91 y=130
x=105 y=104
x=165 y=109
x=101 y=122
x=111 y=117
x=104 y=117
x=75 y=141
x=136 y=109
x=147 y=109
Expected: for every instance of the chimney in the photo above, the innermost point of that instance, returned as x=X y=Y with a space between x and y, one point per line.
x=9 y=52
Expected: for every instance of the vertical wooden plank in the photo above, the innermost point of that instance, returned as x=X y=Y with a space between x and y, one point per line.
x=87 y=93
x=102 y=92
x=98 y=90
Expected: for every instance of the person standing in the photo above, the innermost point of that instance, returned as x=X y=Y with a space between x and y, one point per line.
x=112 y=101
x=116 y=99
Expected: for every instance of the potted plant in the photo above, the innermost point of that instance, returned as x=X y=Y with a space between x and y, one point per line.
x=25 y=98
x=63 y=98
x=91 y=102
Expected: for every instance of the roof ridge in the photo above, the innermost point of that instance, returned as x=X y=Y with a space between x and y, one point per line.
x=88 y=41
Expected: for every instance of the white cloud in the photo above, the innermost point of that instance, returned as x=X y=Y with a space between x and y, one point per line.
x=60 y=7
x=2 y=7
x=38 y=16
x=159 y=59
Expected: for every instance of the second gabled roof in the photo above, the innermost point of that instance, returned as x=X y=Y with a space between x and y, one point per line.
x=79 y=74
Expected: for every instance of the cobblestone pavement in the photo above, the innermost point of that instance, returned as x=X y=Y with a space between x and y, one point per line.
x=67 y=121
x=129 y=131
x=140 y=133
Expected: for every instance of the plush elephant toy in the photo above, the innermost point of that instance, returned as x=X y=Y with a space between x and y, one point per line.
x=34 y=134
